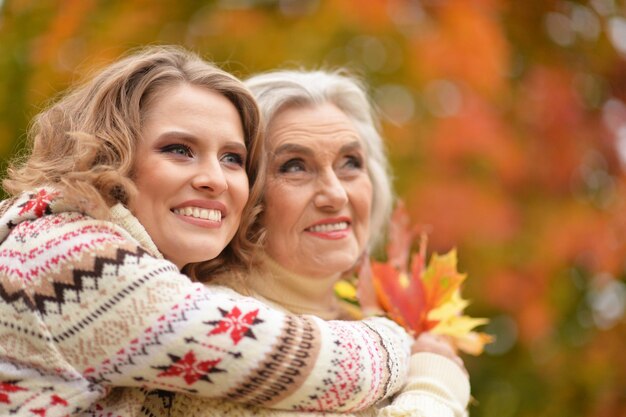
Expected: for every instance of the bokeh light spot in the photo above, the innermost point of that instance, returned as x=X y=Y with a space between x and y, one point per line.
x=443 y=98
x=396 y=103
x=505 y=330
x=607 y=302
x=585 y=22
x=617 y=33
x=614 y=114
x=559 y=29
x=603 y=7
x=406 y=14
x=369 y=50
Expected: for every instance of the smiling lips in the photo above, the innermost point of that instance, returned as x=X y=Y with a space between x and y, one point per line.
x=200 y=213
x=330 y=229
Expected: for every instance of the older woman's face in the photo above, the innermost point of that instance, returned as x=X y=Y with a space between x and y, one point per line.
x=190 y=176
x=318 y=195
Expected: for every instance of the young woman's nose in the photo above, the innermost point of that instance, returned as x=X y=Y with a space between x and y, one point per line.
x=330 y=192
x=209 y=176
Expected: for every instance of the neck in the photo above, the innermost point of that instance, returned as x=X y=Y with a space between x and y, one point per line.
x=296 y=293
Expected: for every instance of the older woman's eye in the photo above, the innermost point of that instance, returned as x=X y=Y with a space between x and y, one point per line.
x=292 y=165
x=354 y=162
x=177 y=149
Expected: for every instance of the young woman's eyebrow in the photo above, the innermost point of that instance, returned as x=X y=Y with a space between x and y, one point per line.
x=178 y=135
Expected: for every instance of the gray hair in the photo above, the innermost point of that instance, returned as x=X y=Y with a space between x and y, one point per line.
x=278 y=89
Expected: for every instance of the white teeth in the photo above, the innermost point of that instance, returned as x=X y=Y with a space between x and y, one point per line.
x=325 y=228
x=200 y=213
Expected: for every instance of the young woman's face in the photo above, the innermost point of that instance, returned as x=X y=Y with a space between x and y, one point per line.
x=318 y=194
x=190 y=173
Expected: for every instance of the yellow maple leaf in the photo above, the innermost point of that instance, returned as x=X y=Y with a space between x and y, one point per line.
x=419 y=296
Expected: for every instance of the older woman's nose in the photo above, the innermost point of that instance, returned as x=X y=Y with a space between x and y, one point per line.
x=210 y=177
x=331 y=193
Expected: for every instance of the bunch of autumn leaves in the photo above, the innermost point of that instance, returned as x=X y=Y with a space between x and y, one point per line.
x=418 y=296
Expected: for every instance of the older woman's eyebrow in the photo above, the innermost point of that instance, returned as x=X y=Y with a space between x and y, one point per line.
x=297 y=148
x=352 y=146
x=293 y=148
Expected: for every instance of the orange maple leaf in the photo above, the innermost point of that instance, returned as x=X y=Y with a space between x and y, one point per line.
x=419 y=297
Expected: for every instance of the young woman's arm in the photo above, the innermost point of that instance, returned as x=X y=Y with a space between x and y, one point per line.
x=113 y=315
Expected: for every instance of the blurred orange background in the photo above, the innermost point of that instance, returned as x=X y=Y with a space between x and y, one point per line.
x=506 y=127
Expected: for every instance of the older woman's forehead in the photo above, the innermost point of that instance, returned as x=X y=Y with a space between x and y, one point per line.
x=320 y=120
x=304 y=130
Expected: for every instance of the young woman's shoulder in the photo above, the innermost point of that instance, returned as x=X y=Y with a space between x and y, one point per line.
x=33 y=222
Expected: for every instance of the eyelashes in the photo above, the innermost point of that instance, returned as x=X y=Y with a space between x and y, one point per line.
x=355 y=162
x=182 y=150
x=294 y=165
x=177 y=149
x=234 y=158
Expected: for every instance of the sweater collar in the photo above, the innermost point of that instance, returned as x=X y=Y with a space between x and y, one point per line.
x=297 y=293
x=121 y=216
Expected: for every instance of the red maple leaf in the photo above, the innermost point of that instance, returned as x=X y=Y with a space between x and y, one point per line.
x=407 y=289
x=190 y=368
x=238 y=324
x=419 y=296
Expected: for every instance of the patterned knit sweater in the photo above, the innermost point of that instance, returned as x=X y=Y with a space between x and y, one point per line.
x=92 y=319
x=436 y=386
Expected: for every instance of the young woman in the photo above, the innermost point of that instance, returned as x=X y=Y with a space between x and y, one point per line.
x=133 y=175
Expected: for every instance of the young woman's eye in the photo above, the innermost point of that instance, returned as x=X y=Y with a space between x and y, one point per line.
x=234 y=158
x=292 y=165
x=177 y=149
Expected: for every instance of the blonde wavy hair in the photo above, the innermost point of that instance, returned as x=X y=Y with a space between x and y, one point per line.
x=84 y=144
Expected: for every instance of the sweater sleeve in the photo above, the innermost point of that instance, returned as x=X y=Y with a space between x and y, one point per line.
x=121 y=317
x=436 y=387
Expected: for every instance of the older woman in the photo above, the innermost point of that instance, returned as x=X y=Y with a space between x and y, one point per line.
x=137 y=173
x=328 y=197
x=327 y=188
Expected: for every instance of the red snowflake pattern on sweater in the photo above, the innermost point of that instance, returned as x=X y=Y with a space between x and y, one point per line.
x=190 y=368
x=55 y=400
x=7 y=388
x=239 y=325
x=39 y=203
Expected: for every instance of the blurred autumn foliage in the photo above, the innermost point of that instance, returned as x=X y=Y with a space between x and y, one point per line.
x=506 y=126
